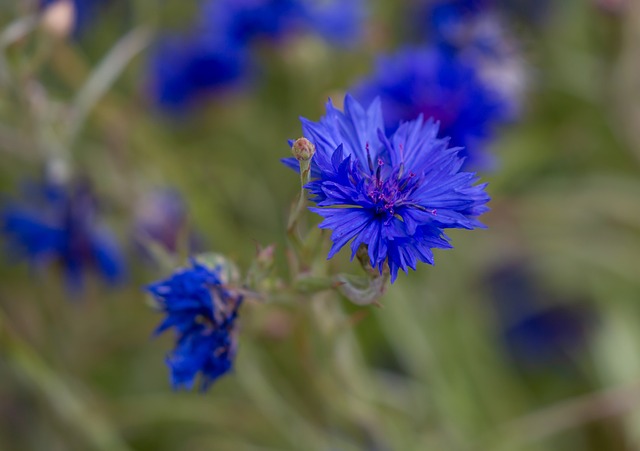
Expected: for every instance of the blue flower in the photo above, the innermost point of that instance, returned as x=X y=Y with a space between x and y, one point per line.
x=395 y=193
x=538 y=328
x=202 y=310
x=184 y=69
x=339 y=21
x=217 y=53
x=443 y=86
x=60 y=223
x=246 y=21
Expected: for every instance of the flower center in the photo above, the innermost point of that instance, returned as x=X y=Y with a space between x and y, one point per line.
x=388 y=193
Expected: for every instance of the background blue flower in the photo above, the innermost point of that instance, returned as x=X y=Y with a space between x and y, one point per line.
x=245 y=21
x=539 y=329
x=440 y=85
x=218 y=52
x=186 y=69
x=60 y=224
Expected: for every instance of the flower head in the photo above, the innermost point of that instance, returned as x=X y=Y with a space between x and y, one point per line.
x=442 y=85
x=246 y=21
x=202 y=310
x=60 y=223
x=186 y=68
x=217 y=53
x=538 y=328
x=394 y=193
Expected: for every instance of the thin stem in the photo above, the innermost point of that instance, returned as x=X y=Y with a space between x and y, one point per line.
x=105 y=75
x=298 y=210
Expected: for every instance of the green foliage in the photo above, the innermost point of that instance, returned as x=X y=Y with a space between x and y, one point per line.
x=424 y=370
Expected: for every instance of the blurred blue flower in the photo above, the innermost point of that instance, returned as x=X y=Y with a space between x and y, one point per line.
x=202 y=310
x=185 y=69
x=441 y=85
x=60 y=223
x=394 y=192
x=538 y=328
x=245 y=21
x=216 y=53
x=338 y=22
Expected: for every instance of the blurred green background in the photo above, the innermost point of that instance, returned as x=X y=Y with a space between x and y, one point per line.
x=443 y=364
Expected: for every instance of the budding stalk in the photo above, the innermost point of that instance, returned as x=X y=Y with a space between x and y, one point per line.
x=303 y=151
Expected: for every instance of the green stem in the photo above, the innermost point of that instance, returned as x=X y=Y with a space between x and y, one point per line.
x=298 y=210
x=103 y=77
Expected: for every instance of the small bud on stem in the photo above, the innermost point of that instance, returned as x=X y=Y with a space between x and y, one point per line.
x=303 y=149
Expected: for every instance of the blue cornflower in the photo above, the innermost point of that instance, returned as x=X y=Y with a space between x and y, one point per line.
x=202 y=310
x=339 y=22
x=60 y=223
x=447 y=20
x=538 y=328
x=442 y=85
x=217 y=53
x=246 y=21
x=395 y=193
x=186 y=68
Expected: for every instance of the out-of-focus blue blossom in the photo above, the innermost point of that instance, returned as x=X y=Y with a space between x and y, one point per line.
x=395 y=193
x=161 y=217
x=441 y=85
x=245 y=21
x=538 y=329
x=186 y=69
x=60 y=223
x=339 y=22
x=84 y=12
x=216 y=53
x=202 y=310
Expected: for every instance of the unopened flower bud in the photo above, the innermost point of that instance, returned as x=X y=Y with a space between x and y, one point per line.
x=59 y=18
x=303 y=149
